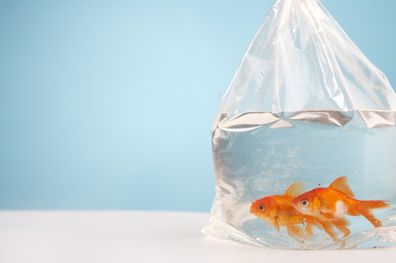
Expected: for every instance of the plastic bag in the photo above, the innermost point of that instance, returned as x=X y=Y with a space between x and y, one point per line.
x=305 y=107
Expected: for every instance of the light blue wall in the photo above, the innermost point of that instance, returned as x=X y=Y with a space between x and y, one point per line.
x=108 y=104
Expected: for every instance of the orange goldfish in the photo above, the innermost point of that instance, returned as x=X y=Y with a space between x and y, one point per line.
x=279 y=211
x=335 y=201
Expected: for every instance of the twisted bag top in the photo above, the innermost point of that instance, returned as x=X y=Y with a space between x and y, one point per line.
x=302 y=60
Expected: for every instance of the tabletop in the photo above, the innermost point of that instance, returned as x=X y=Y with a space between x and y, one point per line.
x=31 y=236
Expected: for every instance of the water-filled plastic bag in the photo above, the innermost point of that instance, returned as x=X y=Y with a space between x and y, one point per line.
x=304 y=143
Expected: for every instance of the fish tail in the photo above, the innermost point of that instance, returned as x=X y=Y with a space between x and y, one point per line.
x=373 y=204
x=370 y=217
x=365 y=207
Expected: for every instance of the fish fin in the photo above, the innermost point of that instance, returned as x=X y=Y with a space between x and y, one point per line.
x=341 y=226
x=341 y=185
x=274 y=210
x=334 y=219
x=370 y=217
x=295 y=189
x=328 y=228
x=315 y=204
x=309 y=230
x=340 y=223
x=373 y=204
x=276 y=223
x=313 y=221
x=295 y=232
x=343 y=221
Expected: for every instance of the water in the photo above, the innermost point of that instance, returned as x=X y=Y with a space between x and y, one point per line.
x=259 y=154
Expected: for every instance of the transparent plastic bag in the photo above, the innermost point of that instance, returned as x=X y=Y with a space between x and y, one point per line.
x=305 y=106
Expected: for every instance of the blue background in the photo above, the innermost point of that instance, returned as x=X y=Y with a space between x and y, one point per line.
x=108 y=104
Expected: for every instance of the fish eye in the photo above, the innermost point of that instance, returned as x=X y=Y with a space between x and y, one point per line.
x=304 y=203
x=261 y=207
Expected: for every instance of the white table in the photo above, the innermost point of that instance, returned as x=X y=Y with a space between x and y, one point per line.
x=134 y=237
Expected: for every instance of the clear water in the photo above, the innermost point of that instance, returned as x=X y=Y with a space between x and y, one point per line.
x=253 y=161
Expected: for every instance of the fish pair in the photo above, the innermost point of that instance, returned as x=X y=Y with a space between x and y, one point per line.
x=321 y=207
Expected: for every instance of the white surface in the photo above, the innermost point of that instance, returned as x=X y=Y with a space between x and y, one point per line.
x=134 y=237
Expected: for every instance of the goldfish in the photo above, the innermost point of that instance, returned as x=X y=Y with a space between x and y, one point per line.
x=336 y=201
x=279 y=211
